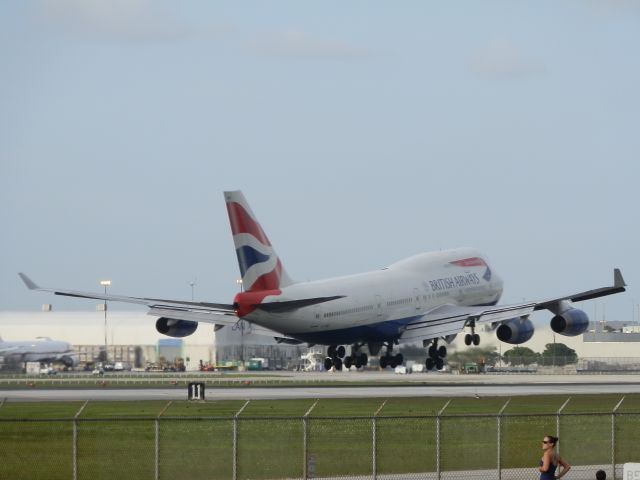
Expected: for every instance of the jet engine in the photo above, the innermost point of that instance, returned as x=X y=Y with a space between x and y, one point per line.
x=515 y=331
x=175 y=328
x=570 y=322
x=69 y=360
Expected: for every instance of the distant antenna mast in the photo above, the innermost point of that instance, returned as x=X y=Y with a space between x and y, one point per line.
x=192 y=284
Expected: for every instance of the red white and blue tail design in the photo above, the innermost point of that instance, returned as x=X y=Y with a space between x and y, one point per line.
x=260 y=266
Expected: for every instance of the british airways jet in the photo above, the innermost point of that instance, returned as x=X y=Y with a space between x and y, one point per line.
x=430 y=297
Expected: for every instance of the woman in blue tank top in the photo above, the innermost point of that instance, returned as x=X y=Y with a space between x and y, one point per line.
x=551 y=460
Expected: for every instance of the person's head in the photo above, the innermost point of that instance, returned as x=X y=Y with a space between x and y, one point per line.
x=549 y=441
x=601 y=475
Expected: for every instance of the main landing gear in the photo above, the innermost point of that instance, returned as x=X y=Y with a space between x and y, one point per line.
x=472 y=337
x=436 y=355
x=336 y=354
x=390 y=360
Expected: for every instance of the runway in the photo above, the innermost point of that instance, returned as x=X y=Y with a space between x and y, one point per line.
x=434 y=386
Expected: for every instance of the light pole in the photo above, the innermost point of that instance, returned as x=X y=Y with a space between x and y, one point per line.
x=105 y=284
x=192 y=284
x=241 y=323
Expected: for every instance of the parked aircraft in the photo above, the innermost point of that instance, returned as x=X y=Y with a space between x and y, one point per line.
x=430 y=297
x=43 y=349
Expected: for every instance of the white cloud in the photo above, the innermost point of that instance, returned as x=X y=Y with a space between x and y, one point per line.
x=112 y=20
x=501 y=58
x=300 y=45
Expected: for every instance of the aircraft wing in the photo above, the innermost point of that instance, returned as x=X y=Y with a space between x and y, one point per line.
x=204 y=316
x=218 y=314
x=451 y=319
x=212 y=309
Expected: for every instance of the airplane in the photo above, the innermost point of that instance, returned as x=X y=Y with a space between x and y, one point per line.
x=43 y=349
x=429 y=297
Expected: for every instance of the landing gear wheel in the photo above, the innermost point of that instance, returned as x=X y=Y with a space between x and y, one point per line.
x=384 y=361
x=331 y=352
x=476 y=339
x=429 y=363
x=442 y=351
x=467 y=339
x=337 y=363
x=341 y=351
x=358 y=362
x=439 y=363
x=432 y=352
x=392 y=362
x=364 y=359
x=399 y=359
x=328 y=363
x=348 y=361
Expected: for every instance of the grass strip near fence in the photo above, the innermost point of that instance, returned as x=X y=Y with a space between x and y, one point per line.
x=117 y=439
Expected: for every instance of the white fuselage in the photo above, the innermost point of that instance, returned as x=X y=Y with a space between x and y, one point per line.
x=39 y=351
x=377 y=305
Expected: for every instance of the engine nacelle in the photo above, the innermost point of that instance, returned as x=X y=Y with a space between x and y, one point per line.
x=175 y=328
x=570 y=322
x=515 y=331
x=69 y=360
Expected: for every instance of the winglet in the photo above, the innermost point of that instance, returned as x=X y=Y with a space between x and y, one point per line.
x=28 y=282
x=618 y=281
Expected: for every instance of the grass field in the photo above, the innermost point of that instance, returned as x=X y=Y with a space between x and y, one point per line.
x=195 y=440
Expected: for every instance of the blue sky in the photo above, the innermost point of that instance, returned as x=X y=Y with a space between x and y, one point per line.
x=360 y=132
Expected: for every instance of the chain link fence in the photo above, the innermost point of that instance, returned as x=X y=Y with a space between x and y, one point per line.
x=438 y=447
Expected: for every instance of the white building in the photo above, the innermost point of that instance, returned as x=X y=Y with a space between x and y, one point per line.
x=125 y=330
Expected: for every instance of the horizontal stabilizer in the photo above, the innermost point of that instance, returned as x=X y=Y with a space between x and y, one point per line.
x=288 y=341
x=291 y=305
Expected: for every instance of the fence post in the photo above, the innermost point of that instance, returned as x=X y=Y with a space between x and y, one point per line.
x=235 y=447
x=499 y=442
x=157 y=439
x=373 y=447
x=75 y=448
x=157 y=451
x=438 y=466
x=305 y=450
x=235 y=440
x=75 y=440
x=305 y=443
x=558 y=421
x=613 y=437
x=374 y=441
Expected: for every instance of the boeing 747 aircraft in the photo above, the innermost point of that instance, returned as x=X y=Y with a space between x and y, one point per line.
x=42 y=349
x=430 y=297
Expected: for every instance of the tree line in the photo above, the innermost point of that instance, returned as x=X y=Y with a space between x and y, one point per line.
x=554 y=354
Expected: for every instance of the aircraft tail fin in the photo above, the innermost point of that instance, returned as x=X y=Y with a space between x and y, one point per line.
x=260 y=266
x=31 y=285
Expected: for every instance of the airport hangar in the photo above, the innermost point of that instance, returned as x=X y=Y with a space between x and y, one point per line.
x=132 y=338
